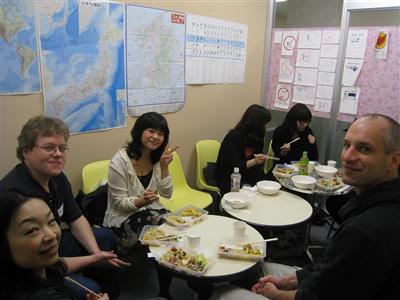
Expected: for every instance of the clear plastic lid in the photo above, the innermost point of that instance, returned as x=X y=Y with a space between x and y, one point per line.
x=235 y=170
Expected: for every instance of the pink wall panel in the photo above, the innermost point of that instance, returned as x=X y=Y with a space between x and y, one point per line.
x=379 y=80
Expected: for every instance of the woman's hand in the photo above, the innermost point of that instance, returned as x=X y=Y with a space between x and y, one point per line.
x=259 y=158
x=285 y=149
x=166 y=157
x=311 y=139
x=149 y=197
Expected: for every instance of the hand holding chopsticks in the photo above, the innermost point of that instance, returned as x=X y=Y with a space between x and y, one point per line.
x=285 y=145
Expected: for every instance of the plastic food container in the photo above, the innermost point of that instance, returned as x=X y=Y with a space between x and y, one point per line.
x=268 y=187
x=283 y=171
x=304 y=182
x=238 y=249
x=237 y=199
x=329 y=184
x=151 y=235
x=325 y=171
x=186 y=216
x=184 y=260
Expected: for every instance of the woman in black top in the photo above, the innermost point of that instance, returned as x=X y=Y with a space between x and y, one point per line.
x=242 y=147
x=30 y=267
x=295 y=125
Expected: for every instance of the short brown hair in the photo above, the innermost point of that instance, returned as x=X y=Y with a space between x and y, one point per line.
x=36 y=127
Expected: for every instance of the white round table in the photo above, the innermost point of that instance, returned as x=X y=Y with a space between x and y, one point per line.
x=213 y=229
x=280 y=210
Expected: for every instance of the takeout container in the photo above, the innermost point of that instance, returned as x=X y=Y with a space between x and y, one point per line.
x=289 y=171
x=304 y=182
x=268 y=187
x=157 y=239
x=184 y=259
x=178 y=218
x=237 y=199
x=325 y=171
x=233 y=249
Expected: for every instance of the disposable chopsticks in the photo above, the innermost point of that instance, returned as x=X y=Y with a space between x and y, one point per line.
x=82 y=286
x=260 y=241
x=295 y=140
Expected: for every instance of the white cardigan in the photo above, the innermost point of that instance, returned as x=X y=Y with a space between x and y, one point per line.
x=125 y=186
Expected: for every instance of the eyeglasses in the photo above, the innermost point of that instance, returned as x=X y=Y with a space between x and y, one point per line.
x=54 y=148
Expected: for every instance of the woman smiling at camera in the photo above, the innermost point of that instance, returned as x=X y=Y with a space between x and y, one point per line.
x=30 y=267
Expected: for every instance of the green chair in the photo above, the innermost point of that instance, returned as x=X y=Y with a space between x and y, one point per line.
x=269 y=163
x=206 y=151
x=183 y=194
x=94 y=174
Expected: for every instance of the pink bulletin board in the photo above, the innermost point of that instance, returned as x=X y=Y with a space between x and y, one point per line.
x=379 y=80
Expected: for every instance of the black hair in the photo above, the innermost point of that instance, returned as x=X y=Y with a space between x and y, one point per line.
x=252 y=125
x=17 y=281
x=148 y=120
x=298 y=112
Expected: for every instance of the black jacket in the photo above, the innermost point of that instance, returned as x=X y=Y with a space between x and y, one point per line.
x=363 y=259
x=282 y=136
x=235 y=153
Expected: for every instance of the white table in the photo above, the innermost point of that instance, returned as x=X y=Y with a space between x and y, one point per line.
x=283 y=209
x=213 y=229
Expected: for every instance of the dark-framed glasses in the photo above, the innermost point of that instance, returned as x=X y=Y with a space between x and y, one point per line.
x=53 y=148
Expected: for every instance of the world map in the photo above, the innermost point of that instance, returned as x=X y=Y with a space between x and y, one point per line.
x=19 y=64
x=83 y=67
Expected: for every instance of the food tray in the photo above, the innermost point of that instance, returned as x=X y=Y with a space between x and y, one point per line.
x=283 y=170
x=158 y=233
x=329 y=184
x=235 y=249
x=184 y=260
x=183 y=218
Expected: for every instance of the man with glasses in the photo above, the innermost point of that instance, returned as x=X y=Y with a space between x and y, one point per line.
x=42 y=148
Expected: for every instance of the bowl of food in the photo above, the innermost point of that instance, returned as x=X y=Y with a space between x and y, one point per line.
x=237 y=199
x=268 y=187
x=304 y=182
x=325 y=171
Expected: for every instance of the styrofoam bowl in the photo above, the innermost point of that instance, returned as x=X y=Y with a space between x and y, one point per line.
x=304 y=182
x=237 y=199
x=325 y=171
x=268 y=187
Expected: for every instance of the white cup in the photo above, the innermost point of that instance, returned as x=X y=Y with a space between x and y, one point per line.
x=332 y=163
x=193 y=238
x=311 y=166
x=239 y=229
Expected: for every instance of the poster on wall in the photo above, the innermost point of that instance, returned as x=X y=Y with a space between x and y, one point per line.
x=356 y=43
x=352 y=68
x=381 y=45
x=304 y=94
x=283 y=96
x=289 y=42
x=215 y=51
x=286 y=70
x=155 y=60
x=349 y=100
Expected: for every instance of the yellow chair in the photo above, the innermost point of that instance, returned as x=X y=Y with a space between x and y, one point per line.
x=183 y=194
x=206 y=151
x=94 y=174
x=269 y=163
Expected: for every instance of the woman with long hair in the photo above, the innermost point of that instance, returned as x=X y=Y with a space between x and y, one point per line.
x=242 y=147
x=30 y=266
x=295 y=125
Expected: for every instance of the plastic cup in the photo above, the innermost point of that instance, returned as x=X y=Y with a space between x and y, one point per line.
x=193 y=238
x=311 y=166
x=239 y=229
x=332 y=163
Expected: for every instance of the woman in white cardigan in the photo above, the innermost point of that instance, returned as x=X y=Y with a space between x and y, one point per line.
x=138 y=173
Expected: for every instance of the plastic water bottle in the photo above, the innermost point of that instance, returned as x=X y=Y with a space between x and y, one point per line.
x=235 y=180
x=303 y=164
